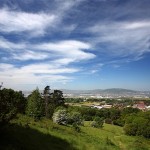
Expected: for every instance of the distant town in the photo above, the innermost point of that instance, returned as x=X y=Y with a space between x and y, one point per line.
x=98 y=93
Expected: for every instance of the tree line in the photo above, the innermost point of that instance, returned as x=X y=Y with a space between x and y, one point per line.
x=51 y=105
x=36 y=105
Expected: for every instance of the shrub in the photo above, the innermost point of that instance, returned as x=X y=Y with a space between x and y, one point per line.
x=60 y=117
x=76 y=127
x=75 y=117
x=94 y=124
x=108 y=121
x=97 y=123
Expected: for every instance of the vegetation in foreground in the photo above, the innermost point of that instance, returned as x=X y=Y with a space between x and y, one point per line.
x=26 y=133
x=72 y=127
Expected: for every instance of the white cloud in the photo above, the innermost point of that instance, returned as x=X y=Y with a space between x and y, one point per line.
x=17 y=21
x=36 y=23
x=56 y=68
x=34 y=74
x=30 y=55
x=70 y=50
x=137 y=25
x=45 y=69
x=63 y=52
x=123 y=39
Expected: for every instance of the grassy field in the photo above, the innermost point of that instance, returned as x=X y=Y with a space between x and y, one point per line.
x=26 y=134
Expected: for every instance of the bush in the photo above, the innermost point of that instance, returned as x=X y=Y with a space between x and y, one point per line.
x=94 y=124
x=60 y=117
x=100 y=121
x=97 y=123
x=76 y=127
x=108 y=121
x=75 y=117
x=119 y=122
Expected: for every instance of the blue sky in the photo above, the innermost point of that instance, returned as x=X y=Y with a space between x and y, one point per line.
x=75 y=44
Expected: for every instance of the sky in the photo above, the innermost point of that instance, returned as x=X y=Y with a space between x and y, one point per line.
x=75 y=44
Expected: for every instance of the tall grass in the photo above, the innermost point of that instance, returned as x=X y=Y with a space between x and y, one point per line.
x=27 y=134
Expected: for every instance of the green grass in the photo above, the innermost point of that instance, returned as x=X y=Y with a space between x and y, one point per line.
x=26 y=134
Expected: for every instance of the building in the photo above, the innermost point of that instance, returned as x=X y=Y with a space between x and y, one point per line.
x=140 y=105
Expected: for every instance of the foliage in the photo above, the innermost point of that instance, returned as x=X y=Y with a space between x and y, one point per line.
x=94 y=124
x=35 y=105
x=44 y=134
x=50 y=110
x=18 y=137
x=108 y=121
x=60 y=117
x=109 y=142
x=74 y=100
x=75 y=117
x=76 y=127
x=58 y=97
x=47 y=99
x=52 y=101
x=11 y=103
x=98 y=122
x=129 y=110
x=138 y=124
x=119 y=122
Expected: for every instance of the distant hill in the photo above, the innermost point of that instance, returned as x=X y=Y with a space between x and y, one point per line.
x=119 y=90
x=112 y=90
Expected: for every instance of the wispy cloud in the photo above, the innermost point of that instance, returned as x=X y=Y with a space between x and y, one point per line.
x=70 y=49
x=30 y=55
x=17 y=21
x=38 y=73
x=56 y=56
x=122 y=39
x=65 y=51
x=36 y=23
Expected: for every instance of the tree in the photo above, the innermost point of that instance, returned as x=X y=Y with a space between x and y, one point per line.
x=11 y=103
x=52 y=100
x=138 y=124
x=47 y=99
x=58 y=97
x=35 y=105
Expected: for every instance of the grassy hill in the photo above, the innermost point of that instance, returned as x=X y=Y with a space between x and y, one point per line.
x=26 y=134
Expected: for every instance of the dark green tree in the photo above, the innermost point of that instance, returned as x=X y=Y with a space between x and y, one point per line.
x=52 y=100
x=58 y=98
x=47 y=101
x=138 y=124
x=35 y=105
x=11 y=103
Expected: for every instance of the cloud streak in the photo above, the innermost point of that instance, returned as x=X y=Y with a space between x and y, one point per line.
x=17 y=21
x=122 y=39
x=36 y=74
x=56 y=60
